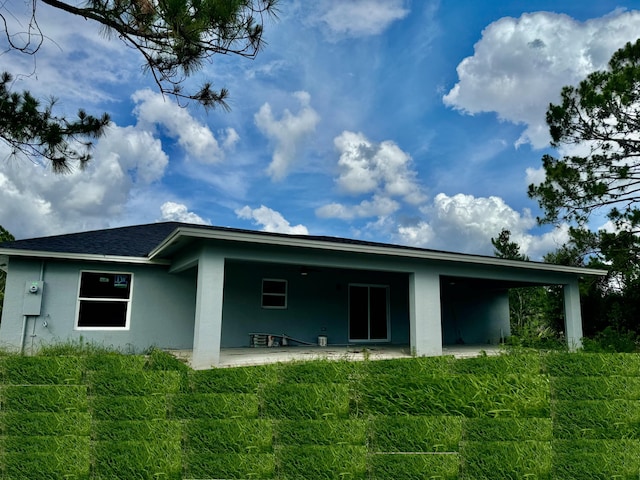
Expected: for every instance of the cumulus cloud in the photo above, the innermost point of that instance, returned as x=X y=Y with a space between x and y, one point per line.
x=287 y=133
x=177 y=212
x=376 y=207
x=464 y=223
x=358 y=18
x=367 y=167
x=270 y=220
x=128 y=163
x=536 y=54
x=381 y=170
x=195 y=138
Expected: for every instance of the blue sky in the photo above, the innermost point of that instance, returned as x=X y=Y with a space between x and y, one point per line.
x=412 y=122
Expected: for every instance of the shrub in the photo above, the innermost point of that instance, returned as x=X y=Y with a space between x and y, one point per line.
x=610 y=340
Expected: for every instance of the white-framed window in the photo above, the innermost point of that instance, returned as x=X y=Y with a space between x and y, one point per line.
x=274 y=293
x=104 y=301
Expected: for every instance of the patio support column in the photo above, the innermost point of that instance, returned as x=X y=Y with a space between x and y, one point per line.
x=208 y=322
x=572 y=315
x=424 y=313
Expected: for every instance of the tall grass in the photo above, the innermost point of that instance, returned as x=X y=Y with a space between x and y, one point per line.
x=94 y=414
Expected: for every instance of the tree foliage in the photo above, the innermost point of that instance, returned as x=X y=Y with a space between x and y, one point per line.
x=503 y=247
x=175 y=39
x=535 y=315
x=600 y=118
x=598 y=121
x=34 y=131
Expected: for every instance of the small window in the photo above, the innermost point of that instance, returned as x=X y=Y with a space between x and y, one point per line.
x=274 y=293
x=104 y=300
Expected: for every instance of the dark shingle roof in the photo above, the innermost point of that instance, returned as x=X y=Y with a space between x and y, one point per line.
x=140 y=240
x=135 y=241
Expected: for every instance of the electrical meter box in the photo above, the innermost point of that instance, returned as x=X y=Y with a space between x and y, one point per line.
x=32 y=298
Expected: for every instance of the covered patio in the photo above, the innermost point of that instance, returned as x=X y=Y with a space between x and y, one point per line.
x=251 y=356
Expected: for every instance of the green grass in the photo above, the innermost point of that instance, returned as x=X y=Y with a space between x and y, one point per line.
x=91 y=414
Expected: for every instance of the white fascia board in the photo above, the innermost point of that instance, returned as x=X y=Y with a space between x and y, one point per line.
x=399 y=251
x=11 y=252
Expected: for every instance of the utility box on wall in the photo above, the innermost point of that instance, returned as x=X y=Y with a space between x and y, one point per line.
x=32 y=298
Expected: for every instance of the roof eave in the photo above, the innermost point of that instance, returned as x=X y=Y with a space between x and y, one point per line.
x=304 y=242
x=88 y=257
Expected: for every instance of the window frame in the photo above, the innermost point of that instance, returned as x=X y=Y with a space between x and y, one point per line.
x=284 y=295
x=126 y=301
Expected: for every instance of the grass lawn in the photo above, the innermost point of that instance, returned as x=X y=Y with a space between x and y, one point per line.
x=97 y=415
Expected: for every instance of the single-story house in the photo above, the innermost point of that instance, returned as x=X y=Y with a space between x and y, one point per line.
x=202 y=288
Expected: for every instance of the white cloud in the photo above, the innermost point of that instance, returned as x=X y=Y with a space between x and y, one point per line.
x=520 y=65
x=287 y=133
x=535 y=175
x=358 y=18
x=380 y=169
x=377 y=207
x=177 y=212
x=126 y=161
x=464 y=223
x=196 y=139
x=367 y=167
x=270 y=220
x=138 y=152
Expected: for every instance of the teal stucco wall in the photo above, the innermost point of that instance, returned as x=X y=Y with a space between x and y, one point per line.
x=162 y=307
x=317 y=303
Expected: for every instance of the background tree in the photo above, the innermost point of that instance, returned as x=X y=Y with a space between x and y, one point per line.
x=526 y=304
x=5 y=236
x=536 y=313
x=599 y=120
x=600 y=117
x=175 y=39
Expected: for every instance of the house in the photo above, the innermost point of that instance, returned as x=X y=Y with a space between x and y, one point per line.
x=182 y=286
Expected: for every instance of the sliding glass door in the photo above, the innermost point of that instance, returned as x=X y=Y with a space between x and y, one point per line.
x=368 y=313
